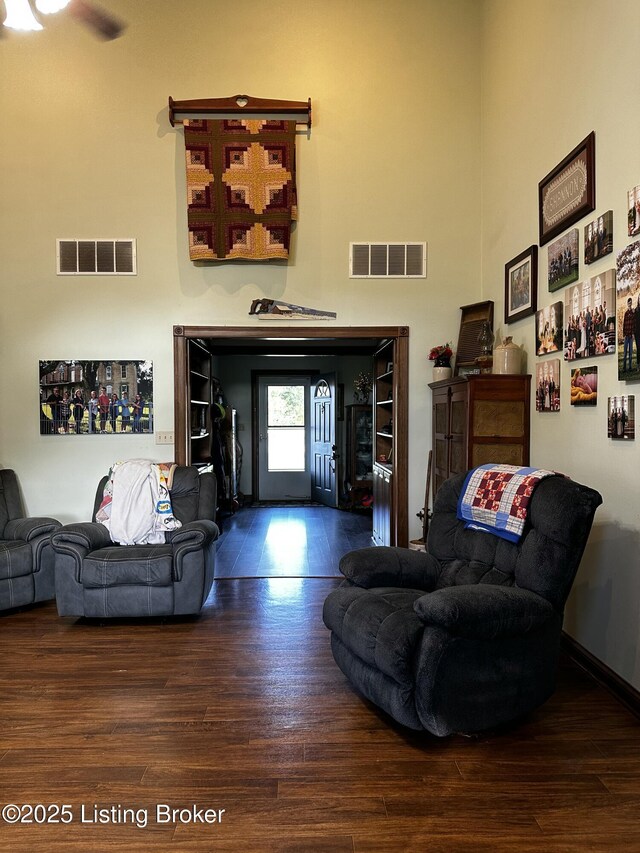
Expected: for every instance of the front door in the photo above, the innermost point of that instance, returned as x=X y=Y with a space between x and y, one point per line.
x=324 y=481
x=283 y=452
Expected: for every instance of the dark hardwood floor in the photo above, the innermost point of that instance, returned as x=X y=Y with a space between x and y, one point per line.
x=243 y=709
x=289 y=541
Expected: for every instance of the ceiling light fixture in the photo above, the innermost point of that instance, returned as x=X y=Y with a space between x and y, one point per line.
x=19 y=16
x=48 y=7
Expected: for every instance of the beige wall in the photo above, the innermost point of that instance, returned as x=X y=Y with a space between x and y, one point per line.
x=394 y=154
x=552 y=72
x=87 y=151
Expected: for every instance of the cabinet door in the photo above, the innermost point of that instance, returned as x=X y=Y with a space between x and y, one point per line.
x=458 y=430
x=440 y=459
x=499 y=421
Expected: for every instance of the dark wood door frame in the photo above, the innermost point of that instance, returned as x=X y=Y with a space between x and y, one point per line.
x=181 y=335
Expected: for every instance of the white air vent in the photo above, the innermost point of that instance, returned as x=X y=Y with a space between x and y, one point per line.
x=96 y=257
x=388 y=260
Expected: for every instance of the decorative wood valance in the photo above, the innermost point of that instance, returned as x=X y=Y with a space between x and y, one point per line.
x=236 y=105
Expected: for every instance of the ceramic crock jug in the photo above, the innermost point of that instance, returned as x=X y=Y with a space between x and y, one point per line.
x=507 y=357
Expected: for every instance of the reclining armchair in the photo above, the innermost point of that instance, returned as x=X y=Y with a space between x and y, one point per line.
x=96 y=577
x=26 y=558
x=465 y=637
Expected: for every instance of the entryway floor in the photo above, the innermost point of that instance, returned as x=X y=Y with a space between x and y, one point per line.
x=290 y=541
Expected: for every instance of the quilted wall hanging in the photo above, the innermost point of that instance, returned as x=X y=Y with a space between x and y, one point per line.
x=241 y=182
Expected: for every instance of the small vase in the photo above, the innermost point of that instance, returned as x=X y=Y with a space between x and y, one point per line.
x=441 y=371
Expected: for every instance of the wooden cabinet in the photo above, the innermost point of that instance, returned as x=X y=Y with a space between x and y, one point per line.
x=358 y=471
x=383 y=391
x=386 y=429
x=478 y=419
x=200 y=399
x=382 y=505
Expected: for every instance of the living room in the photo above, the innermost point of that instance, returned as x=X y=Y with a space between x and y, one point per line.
x=432 y=121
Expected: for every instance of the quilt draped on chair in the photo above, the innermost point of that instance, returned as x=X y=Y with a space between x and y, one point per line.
x=241 y=188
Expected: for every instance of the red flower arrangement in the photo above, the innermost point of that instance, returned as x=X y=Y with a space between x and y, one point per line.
x=442 y=353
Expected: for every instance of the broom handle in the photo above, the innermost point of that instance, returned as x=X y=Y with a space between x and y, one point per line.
x=425 y=520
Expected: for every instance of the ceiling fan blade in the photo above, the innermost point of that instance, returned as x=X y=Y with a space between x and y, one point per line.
x=103 y=24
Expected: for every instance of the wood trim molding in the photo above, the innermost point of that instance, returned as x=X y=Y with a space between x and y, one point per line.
x=621 y=689
x=183 y=333
x=296 y=332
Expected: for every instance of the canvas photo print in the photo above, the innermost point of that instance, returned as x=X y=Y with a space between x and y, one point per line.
x=628 y=311
x=548 y=386
x=584 y=386
x=621 y=418
x=590 y=317
x=95 y=397
x=598 y=238
x=562 y=260
x=549 y=329
x=633 y=216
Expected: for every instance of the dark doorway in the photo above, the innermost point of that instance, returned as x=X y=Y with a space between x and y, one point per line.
x=230 y=340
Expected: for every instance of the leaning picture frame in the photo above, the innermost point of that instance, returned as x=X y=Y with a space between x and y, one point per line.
x=568 y=192
x=521 y=285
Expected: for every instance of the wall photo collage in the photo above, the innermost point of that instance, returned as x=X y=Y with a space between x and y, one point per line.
x=596 y=314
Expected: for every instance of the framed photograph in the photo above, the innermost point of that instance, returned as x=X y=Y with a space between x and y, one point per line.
x=598 y=238
x=584 y=386
x=548 y=386
x=96 y=397
x=562 y=261
x=568 y=192
x=633 y=217
x=549 y=329
x=628 y=311
x=590 y=318
x=621 y=418
x=521 y=285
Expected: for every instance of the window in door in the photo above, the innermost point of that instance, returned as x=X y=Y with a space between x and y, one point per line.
x=286 y=425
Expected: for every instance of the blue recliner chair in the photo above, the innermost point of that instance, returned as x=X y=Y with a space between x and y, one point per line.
x=26 y=557
x=466 y=636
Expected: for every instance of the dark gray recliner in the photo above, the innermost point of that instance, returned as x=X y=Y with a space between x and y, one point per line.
x=98 y=578
x=465 y=637
x=26 y=558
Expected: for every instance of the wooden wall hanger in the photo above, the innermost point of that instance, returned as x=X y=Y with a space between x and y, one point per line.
x=236 y=105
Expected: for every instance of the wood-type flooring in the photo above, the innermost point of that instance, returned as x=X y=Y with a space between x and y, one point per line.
x=289 y=541
x=243 y=709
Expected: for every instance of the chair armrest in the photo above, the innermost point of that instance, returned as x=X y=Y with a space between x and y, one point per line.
x=387 y=566
x=29 y=528
x=194 y=532
x=484 y=611
x=90 y=535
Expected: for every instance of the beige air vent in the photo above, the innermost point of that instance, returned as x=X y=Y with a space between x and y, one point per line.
x=388 y=260
x=96 y=257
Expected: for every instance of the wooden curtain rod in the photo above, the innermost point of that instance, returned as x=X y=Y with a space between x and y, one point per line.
x=238 y=104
